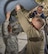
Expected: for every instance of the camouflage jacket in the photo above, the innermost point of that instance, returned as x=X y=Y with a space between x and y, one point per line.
x=11 y=39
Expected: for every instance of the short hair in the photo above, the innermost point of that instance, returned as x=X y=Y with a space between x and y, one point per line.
x=40 y=20
x=41 y=6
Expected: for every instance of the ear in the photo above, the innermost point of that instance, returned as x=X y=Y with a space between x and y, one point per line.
x=44 y=24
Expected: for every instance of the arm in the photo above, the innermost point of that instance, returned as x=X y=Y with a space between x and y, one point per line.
x=5 y=29
x=5 y=25
x=23 y=21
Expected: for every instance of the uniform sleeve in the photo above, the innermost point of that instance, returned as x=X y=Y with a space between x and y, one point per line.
x=23 y=21
x=5 y=29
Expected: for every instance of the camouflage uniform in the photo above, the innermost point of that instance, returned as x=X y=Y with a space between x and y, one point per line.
x=35 y=38
x=2 y=44
x=10 y=40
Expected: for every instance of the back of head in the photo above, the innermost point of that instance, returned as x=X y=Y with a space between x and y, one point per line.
x=40 y=6
x=37 y=22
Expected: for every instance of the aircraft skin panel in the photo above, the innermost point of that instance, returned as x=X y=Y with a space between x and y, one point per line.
x=27 y=4
x=11 y=6
x=2 y=16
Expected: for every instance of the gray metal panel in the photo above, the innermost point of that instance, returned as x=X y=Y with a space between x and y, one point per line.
x=28 y=4
x=11 y=6
x=2 y=16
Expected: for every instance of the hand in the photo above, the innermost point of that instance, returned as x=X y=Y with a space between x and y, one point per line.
x=17 y=7
x=8 y=15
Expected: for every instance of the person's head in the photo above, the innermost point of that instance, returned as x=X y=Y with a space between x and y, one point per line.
x=39 y=9
x=37 y=22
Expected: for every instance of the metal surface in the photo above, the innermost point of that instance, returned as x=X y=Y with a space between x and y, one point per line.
x=27 y=4
x=2 y=16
